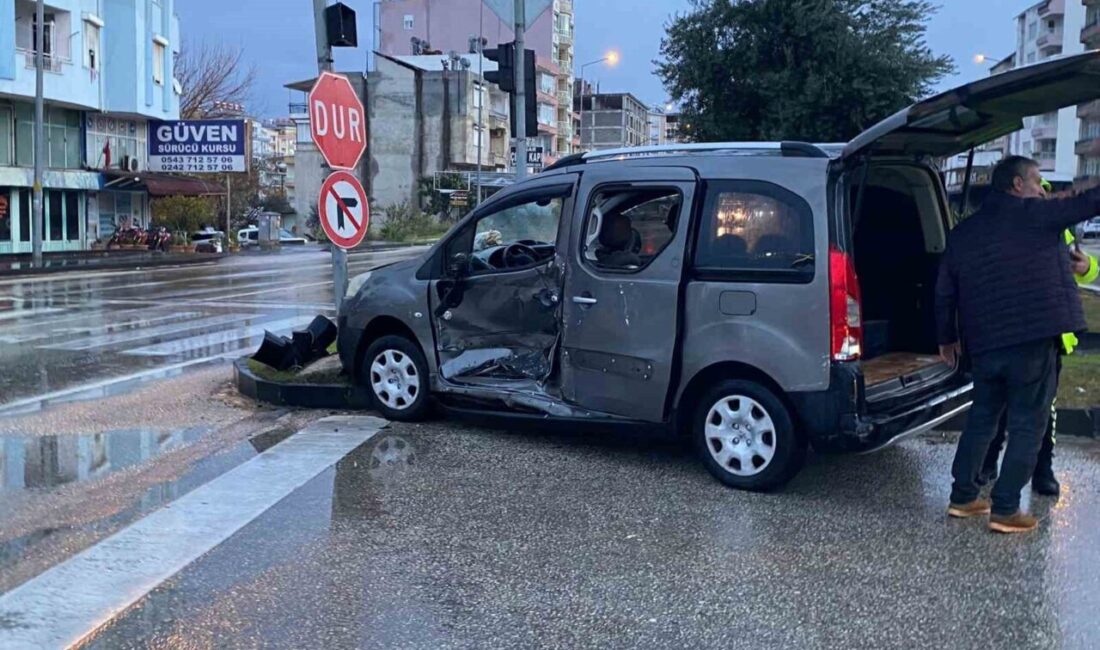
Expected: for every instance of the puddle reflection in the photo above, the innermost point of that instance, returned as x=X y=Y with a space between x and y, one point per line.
x=35 y=462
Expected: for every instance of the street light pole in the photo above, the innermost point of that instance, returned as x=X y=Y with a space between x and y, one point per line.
x=580 y=113
x=37 y=222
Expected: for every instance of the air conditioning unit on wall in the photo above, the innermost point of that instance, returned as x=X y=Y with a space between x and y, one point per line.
x=128 y=164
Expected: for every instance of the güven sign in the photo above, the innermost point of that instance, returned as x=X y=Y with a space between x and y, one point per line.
x=337 y=121
x=197 y=146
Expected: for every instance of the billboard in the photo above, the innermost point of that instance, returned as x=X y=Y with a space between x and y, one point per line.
x=198 y=146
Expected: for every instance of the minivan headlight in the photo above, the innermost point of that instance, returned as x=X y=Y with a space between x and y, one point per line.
x=356 y=283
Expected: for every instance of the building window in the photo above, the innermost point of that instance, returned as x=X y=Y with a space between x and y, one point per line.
x=72 y=216
x=120 y=137
x=158 y=63
x=91 y=45
x=54 y=224
x=62 y=130
x=546 y=114
x=1032 y=31
x=1051 y=25
x=24 y=215
x=547 y=83
x=5 y=215
x=7 y=142
x=408 y=22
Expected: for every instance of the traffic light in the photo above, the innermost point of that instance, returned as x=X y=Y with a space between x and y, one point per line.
x=505 y=74
x=505 y=77
x=340 y=25
x=531 y=99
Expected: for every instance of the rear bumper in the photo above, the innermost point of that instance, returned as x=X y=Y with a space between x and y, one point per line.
x=841 y=419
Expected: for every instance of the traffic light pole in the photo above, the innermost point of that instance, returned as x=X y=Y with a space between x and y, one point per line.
x=521 y=98
x=324 y=64
x=38 y=224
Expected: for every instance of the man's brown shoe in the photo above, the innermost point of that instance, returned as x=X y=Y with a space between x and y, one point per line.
x=1017 y=523
x=975 y=508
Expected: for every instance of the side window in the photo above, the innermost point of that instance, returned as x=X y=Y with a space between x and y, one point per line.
x=755 y=231
x=516 y=236
x=627 y=228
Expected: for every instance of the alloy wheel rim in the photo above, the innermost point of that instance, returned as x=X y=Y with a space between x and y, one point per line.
x=740 y=435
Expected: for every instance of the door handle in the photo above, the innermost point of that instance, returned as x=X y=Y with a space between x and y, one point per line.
x=584 y=300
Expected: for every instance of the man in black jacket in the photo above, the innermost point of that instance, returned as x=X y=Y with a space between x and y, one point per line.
x=1006 y=295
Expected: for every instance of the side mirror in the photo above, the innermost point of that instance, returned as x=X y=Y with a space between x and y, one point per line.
x=459 y=265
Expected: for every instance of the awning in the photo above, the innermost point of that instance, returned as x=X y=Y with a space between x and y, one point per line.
x=160 y=184
x=52 y=179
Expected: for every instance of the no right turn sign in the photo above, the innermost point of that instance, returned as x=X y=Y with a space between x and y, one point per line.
x=343 y=209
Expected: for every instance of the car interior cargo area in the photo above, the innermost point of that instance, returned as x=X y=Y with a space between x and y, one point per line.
x=898 y=238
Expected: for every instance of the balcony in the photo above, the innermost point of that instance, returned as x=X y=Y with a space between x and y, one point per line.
x=1046 y=160
x=1045 y=131
x=566 y=6
x=1049 y=41
x=1052 y=8
x=1089 y=109
x=1090 y=35
x=50 y=62
x=1087 y=147
x=298 y=109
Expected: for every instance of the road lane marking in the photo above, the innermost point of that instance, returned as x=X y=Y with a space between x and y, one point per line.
x=24 y=313
x=70 y=601
x=218 y=338
x=163 y=330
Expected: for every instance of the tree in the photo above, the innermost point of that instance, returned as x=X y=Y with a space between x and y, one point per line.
x=813 y=70
x=215 y=83
x=183 y=213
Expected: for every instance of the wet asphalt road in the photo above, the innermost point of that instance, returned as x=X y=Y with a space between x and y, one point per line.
x=441 y=535
x=67 y=331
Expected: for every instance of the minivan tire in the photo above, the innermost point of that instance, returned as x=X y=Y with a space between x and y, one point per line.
x=395 y=374
x=748 y=427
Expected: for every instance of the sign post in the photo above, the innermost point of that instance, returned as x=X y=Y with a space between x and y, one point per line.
x=343 y=210
x=337 y=123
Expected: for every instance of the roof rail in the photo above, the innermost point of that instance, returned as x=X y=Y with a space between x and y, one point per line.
x=565 y=161
x=786 y=148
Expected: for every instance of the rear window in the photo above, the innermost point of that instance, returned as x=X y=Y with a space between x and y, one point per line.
x=755 y=231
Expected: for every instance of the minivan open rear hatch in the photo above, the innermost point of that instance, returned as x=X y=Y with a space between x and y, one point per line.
x=977 y=112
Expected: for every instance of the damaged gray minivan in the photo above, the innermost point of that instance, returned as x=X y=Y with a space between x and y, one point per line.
x=757 y=297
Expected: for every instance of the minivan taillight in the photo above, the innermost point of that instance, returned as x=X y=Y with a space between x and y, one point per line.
x=845 y=322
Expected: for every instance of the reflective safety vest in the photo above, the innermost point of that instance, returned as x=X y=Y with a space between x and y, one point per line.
x=1069 y=339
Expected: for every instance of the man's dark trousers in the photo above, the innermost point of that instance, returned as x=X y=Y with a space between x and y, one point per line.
x=1044 y=468
x=1021 y=380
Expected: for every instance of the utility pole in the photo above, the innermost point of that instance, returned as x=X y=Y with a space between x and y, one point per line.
x=37 y=222
x=521 y=99
x=324 y=64
x=228 y=209
x=481 y=91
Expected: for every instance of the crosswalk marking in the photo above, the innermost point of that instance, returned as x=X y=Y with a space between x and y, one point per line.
x=70 y=601
x=180 y=346
x=129 y=337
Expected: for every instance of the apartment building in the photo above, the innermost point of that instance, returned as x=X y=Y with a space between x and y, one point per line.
x=108 y=70
x=416 y=27
x=1044 y=30
x=664 y=127
x=612 y=120
x=1087 y=146
x=425 y=113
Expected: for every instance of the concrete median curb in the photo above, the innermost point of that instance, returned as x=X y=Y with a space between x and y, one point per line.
x=326 y=396
x=1079 y=423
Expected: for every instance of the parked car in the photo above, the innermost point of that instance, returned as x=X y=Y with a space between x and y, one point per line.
x=208 y=240
x=758 y=297
x=1091 y=229
x=251 y=237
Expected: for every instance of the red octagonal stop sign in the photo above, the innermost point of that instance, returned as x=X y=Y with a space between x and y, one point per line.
x=337 y=121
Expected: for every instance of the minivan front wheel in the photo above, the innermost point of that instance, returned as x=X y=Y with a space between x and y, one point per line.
x=746 y=437
x=395 y=372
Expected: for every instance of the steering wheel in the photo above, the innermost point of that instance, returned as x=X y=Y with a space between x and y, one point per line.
x=516 y=255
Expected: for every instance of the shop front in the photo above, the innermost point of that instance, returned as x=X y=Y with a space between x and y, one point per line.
x=64 y=204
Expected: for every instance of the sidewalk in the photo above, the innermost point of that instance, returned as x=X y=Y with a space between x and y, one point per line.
x=20 y=265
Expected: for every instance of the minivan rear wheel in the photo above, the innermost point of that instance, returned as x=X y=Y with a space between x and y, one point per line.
x=745 y=436
x=396 y=374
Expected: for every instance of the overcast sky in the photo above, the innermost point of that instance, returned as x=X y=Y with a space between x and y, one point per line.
x=280 y=41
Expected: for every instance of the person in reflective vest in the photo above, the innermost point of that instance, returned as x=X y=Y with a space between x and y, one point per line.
x=1086 y=270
